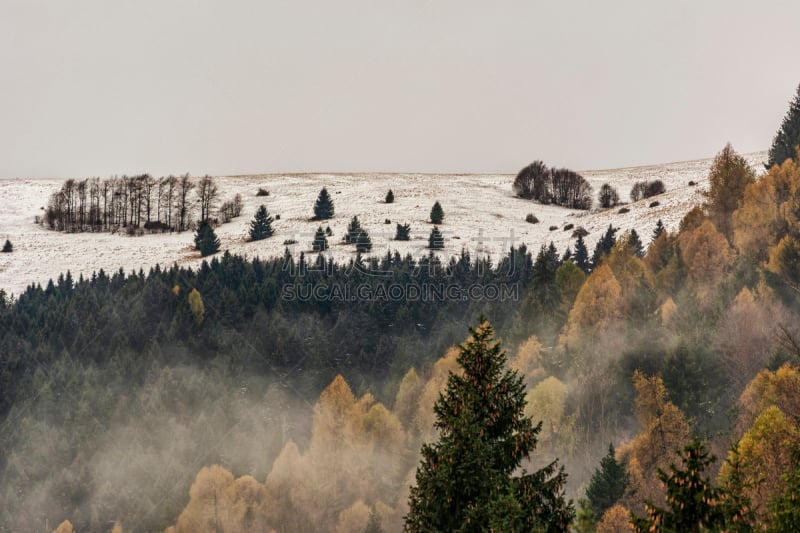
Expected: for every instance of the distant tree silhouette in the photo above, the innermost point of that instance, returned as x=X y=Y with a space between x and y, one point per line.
x=609 y=197
x=437 y=213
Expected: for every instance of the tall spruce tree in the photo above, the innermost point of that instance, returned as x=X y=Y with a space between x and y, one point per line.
x=354 y=229
x=320 y=243
x=695 y=504
x=437 y=213
x=466 y=480
x=608 y=484
x=363 y=242
x=389 y=197
x=604 y=245
x=205 y=239
x=659 y=229
x=581 y=257
x=636 y=243
x=8 y=247
x=787 y=139
x=323 y=207
x=261 y=225
x=436 y=239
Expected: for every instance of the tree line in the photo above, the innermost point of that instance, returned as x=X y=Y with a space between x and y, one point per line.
x=131 y=203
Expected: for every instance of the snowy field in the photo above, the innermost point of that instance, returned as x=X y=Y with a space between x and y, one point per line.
x=481 y=215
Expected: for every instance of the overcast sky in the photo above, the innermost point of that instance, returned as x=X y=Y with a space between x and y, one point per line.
x=100 y=87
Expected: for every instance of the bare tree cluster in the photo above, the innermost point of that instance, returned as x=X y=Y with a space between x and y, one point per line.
x=560 y=186
x=609 y=197
x=134 y=202
x=646 y=189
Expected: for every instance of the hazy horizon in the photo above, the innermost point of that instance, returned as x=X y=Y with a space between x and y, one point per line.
x=92 y=88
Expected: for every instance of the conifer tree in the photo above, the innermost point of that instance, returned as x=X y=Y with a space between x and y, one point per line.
x=567 y=255
x=354 y=229
x=694 y=503
x=390 y=197
x=261 y=225
x=466 y=480
x=206 y=239
x=403 y=232
x=437 y=213
x=581 y=258
x=436 y=239
x=604 y=245
x=7 y=247
x=659 y=229
x=788 y=137
x=320 y=243
x=363 y=242
x=608 y=484
x=636 y=244
x=323 y=207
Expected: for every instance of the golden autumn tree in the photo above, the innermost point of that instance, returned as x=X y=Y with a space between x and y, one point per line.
x=196 y=306
x=528 y=361
x=663 y=431
x=220 y=502
x=616 y=519
x=598 y=308
x=707 y=256
x=405 y=401
x=780 y=389
x=765 y=454
x=769 y=211
x=64 y=527
x=728 y=178
x=548 y=402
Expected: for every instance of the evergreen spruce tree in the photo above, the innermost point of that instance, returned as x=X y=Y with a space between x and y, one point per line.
x=604 y=245
x=261 y=225
x=787 y=139
x=390 y=197
x=7 y=247
x=363 y=242
x=608 y=484
x=437 y=213
x=636 y=243
x=323 y=207
x=354 y=229
x=466 y=480
x=736 y=504
x=403 y=232
x=205 y=239
x=436 y=239
x=694 y=503
x=567 y=255
x=582 y=255
x=659 y=229
x=320 y=243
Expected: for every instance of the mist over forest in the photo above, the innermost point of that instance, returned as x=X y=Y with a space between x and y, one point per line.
x=295 y=393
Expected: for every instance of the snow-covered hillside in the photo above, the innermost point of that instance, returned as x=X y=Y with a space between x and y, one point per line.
x=481 y=215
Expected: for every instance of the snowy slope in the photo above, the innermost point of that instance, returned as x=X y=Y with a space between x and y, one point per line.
x=481 y=215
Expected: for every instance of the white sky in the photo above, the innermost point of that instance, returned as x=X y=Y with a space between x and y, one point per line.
x=100 y=87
